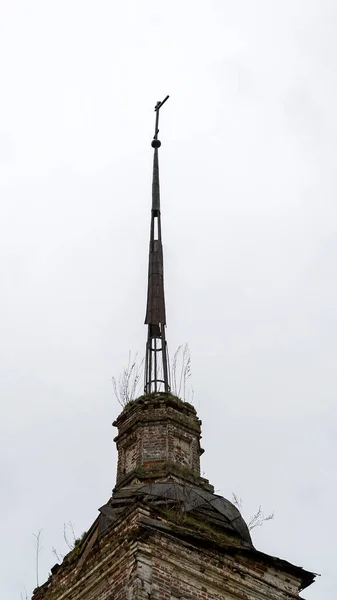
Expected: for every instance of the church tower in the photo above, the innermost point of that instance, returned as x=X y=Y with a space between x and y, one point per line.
x=164 y=534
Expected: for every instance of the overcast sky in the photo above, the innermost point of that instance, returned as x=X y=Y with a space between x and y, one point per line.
x=248 y=180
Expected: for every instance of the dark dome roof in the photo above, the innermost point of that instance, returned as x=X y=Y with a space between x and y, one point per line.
x=202 y=505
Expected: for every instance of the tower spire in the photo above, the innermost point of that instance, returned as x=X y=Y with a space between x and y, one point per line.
x=156 y=358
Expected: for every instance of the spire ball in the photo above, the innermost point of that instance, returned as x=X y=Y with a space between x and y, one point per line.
x=155 y=143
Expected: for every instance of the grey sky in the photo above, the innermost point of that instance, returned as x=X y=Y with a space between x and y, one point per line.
x=248 y=178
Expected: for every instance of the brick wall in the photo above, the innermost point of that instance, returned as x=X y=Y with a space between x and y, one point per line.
x=132 y=563
x=156 y=433
x=170 y=569
x=107 y=572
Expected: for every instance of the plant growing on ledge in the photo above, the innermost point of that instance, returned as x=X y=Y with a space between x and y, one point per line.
x=128 y=387
x=72 y=544
x=181 y=371
x=257 y=519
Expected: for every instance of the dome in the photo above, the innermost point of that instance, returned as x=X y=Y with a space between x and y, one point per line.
x=192 y=501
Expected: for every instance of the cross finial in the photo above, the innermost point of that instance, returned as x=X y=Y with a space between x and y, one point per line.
x=156 y=131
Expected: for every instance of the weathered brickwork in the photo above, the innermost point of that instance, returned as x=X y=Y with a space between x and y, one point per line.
x=156 y=435
x=106 y=572
x=133 y=561
x=177 y=570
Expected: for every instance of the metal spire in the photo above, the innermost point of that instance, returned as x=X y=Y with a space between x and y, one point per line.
x=156 y=359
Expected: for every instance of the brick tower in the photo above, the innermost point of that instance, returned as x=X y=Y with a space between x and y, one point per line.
x=164 y=534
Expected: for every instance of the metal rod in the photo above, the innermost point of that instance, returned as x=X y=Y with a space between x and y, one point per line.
x=165 y=365
x=155 y=364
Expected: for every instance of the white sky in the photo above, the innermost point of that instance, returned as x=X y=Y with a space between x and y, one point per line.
x=248 y=178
